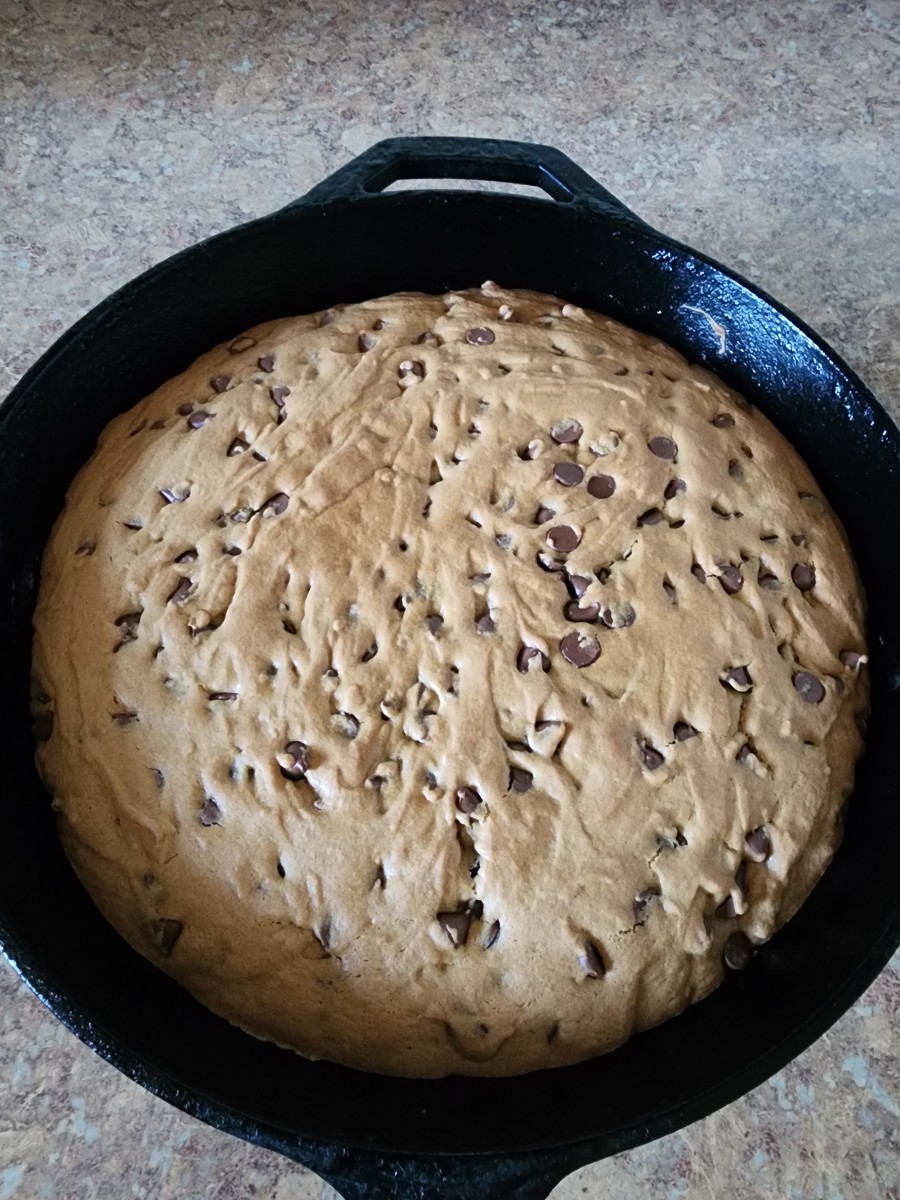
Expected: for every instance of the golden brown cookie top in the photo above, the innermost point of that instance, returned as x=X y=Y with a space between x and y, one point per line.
x=445 y=683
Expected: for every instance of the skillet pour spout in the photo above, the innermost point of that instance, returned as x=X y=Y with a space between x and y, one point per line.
x=348 y=240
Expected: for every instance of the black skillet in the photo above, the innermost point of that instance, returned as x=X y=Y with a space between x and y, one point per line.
x=345 y=241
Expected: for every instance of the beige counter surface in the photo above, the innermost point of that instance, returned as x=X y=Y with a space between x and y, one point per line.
x=767 y=135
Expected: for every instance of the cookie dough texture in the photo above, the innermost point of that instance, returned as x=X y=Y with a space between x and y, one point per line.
x=444 y=684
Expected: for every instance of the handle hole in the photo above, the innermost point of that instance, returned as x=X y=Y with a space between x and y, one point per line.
x=468 y=185
x=527 y=178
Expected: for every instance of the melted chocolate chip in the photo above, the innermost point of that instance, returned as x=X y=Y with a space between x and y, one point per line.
x=486 y=624
x=166 y=933
x=297 y=764
x=723 y=421
x=738 y=951
x=759 y=846
x=199 y=418
x=579 y=649
x=683 y=732
x=491 y=936
x=731 y=580
x=210 y=812
x=662 y=447
x=543 y=515
x=564 y=538
x=804 y=577
x=592 y=961
x=675 y=487
x=642 y=902
x=601 y=487
x=279 y=393
x=652 y=758
x=238 y=446
x=520 y=780
x=219 y=383
x=653 y=516
x=456 y=925
x=467 y=800
x=738 y=679
x=530 y=654
x=180 y=591
x=275 y=505
x=569 y=474
x=479 y=336
x=808 y=687
x=266 y=363
x=574 y=611
x=566 y=431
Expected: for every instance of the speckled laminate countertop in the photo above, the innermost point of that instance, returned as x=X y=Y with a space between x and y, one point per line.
x=767 y=135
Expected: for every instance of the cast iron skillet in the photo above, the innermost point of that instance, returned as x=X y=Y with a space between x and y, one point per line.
x=345 y=241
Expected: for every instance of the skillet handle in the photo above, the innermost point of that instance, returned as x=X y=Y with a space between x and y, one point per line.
x=468 y=158
x=463 y=1180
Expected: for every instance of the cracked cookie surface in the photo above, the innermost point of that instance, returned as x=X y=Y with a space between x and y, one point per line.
x=448 y=684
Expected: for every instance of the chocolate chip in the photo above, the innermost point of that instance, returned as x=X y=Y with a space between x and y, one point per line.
x=566 y=431
x=232 y=551
x=479 y=336
x=738 y=951
x=370 y=653
x=365 y=342
x=569 y=474
x=652 y=758
x=546 y=563
x=642 y=902
x=744 y=753
x=564 y=538
x=158 y=778
x=759 y=846
x=491 y=936
x=346 y=724
x=42 y=727
x=543 y=515
x=653 y=516
x=798 y=539
x=723 y=421
x=287 y=626
x=244 y=342
x=521 y=747
x=266 y=363
x=456 y=925
x=467 y=800
x=738 y=679
x=662 y=447
x=669 y=589
x=592 y=961
x=731 y=580
x=238 y=446
x=166 y=933
x=579 y=649
x=279 y=393
x=520 y=780
x=683 y=732
x=219 y=383
x=184 y=409
x=223 y=696
x=698 y=573
x=767 y=579
x=86 y=548
x=158 y=424
x=180 y=591
x=573 y=611
x=530 y=654
x=622 y=617
x=486 y=624
x=199 y=418
x=601 y=487
x=734 y=469
x=577 y=585
x=804 y=577
x=411 y=369
x=433 y=623
x=852 y=658
x=210 y=812
x=529 y=452
x=603 y=574
x=675 y=487
x=808 y=687
x=294 y=762
x=481 y=577
x=275 y=505
x=727 y=910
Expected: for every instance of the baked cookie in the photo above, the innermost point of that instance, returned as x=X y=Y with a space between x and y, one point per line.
x=447 y=684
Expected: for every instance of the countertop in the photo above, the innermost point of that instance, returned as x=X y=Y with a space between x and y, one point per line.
x=767 y=135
